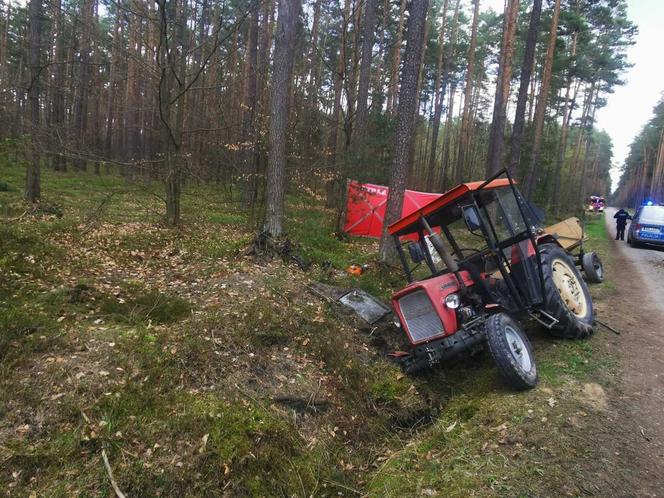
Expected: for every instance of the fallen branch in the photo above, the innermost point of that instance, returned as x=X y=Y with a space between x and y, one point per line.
x=19 y=218
x=608 y=327
x=116 y=488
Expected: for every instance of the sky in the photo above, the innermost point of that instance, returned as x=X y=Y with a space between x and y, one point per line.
x=630 y=107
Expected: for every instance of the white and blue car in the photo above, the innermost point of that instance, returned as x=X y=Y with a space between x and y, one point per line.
x=647 y=226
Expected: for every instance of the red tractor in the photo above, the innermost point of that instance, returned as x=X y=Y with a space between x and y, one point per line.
x=477 y=265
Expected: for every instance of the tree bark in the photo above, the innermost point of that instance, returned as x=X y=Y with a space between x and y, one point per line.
x=403 y=139
x=33 y=174
x=497 y=134
x=540 y=107
x=289 y=12
x=524 y=83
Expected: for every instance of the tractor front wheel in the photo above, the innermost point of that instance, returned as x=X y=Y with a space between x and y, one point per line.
x=566 y=298
x=511 y=352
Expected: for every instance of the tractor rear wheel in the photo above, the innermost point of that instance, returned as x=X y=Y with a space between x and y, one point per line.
x=592 y=267
x=511 y=352
x=566 y=297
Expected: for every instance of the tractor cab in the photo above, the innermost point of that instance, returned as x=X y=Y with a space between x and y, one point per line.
x=476 y=264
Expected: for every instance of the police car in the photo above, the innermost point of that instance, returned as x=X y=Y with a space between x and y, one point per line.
x=647 y=226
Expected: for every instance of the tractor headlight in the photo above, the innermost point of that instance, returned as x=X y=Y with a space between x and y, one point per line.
x=453 y=301
x=396 y=321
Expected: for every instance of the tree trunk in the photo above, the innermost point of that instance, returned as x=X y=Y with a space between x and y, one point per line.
x=574 y=165
x=32 y=179
x=81 y=102
x=171 y=92
x=442 y=72
x=4 y=45
x=497 y=135
x=333 y=138
x=396 y=61
x=568 y=106
x=131 y=124
x=351 y=80
x=540 y=108
x=657 y=180
x=524 y=83
x=361 y=115
x=448 y=136
x=58 y=110
x=405 y=123
x=113 y=84
x=418 y=94
x=464 y=134
x=248 y=113
x=289 y=12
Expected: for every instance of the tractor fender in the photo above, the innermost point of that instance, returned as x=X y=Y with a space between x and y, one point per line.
x=547 y=238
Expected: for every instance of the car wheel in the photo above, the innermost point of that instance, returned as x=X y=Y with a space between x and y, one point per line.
x=592 y=267
x=511 y=352
x=566 y=297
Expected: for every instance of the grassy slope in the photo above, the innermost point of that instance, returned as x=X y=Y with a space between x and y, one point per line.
x=199 y=370
x=488 y=441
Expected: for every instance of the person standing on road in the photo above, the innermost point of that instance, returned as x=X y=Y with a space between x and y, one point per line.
x=621 y=221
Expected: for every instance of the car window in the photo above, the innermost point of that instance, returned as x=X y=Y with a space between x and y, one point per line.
x=652 y=215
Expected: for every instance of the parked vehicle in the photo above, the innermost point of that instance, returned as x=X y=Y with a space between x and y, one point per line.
x=647 y=226
x=477 y=266
x=596 y=204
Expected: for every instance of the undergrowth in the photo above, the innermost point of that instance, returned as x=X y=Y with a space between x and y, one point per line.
x=201 y=372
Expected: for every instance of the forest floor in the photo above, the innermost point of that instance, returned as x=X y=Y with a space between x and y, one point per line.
x=198 y=370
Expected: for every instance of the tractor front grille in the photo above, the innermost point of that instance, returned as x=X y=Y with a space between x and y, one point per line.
x=419 y=316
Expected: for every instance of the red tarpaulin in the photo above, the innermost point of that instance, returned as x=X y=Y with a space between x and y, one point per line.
x=365 y=210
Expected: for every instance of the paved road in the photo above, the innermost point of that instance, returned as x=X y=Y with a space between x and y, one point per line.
x=638 y=307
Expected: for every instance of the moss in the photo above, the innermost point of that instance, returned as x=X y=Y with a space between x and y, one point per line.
x=139 y=305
